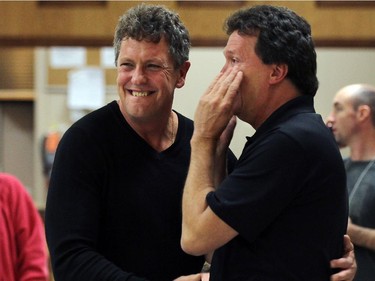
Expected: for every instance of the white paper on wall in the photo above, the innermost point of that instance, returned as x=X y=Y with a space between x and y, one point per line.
x=86 y=88
x=107 y=57
x=67 y=57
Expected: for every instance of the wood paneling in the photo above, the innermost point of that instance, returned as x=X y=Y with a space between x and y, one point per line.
x=28 y=23
x=16 y=68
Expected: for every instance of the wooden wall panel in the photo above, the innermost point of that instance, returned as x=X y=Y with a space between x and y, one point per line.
x=16 y=68
x=92 y=24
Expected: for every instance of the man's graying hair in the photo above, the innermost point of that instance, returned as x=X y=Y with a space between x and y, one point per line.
x=365 y=95
x=283 y=37
x=151 y=23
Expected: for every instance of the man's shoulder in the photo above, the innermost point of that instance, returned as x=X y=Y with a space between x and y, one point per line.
x=99 y=118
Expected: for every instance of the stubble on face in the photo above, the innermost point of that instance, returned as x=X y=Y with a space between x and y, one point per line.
x=146 y=79
x=344 y=118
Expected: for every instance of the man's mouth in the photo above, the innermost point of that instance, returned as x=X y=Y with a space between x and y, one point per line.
x=140 y=93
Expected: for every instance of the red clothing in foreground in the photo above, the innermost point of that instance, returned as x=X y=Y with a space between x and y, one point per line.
x=23 y=252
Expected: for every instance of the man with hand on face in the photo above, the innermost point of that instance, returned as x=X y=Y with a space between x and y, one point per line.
x=282 y=212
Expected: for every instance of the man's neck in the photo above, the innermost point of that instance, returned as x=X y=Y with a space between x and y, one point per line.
x=364 y=148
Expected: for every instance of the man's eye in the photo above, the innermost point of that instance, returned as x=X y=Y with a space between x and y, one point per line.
x=126 y=65
x=154 y=66
x=338 y=109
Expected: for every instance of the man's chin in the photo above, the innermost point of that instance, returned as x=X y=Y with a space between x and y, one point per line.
x=340 y=144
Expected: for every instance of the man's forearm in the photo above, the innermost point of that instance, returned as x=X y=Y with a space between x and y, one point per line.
x=362 y=236
x=199 y=182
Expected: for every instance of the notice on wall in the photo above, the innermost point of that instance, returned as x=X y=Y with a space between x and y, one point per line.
x=67 y=57
x=107 y=57
x=86 y=88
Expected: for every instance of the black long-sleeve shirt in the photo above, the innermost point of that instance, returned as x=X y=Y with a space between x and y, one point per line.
x=114 y=204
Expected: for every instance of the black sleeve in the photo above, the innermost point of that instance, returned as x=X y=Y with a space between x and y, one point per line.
x=232 y=160
x=73 y=212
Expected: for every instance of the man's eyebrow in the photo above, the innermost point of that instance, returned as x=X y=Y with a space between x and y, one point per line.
x=337 y=104
x=124 y=58
x=228 y=52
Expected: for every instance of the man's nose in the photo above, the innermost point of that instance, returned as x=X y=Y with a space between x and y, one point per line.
x=138 y=76
x=329 y=121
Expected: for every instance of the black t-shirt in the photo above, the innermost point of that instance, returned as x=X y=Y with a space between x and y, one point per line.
x=361 y=187
x=287 y=200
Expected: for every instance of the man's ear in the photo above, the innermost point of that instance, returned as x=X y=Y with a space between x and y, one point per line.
x=363 y=112
x=183 y=72
x=279 y=72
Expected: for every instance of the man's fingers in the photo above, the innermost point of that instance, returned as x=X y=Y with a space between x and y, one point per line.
x=342 y=263
x=224 y=83
x=348 y=245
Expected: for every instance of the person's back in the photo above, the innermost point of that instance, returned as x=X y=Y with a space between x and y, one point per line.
x=22 y=244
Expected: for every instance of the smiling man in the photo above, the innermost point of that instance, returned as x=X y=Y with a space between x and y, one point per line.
x=114 y=200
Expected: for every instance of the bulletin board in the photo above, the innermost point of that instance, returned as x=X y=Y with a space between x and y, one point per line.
x=58 y=76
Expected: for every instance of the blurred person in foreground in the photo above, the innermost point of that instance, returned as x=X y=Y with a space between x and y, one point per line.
x=352 y=121
x=23 y=247
x=282 y=212
x=114 y=200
